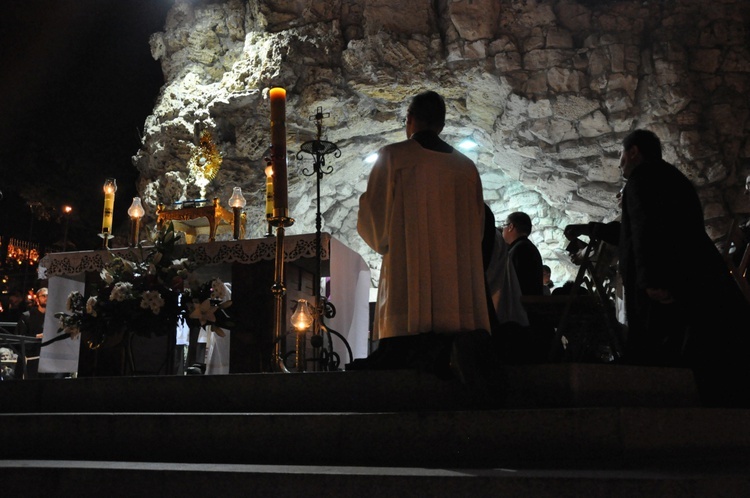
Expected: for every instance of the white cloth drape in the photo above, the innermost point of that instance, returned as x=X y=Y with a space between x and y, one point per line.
x=350 y=284
x=60 y=356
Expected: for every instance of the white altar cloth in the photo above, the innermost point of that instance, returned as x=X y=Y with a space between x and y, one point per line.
x=349 y=286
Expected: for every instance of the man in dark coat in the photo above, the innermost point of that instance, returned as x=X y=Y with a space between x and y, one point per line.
x=31 y=324
x=682 y=306
x=516 y=343
x=523 y=253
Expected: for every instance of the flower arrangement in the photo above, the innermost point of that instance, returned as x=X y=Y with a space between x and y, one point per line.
x=145 y=297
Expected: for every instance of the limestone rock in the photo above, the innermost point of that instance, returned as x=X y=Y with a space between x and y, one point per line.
x=547 y=88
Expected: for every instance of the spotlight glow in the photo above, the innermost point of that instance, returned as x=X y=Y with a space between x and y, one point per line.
x=467 y=145
x=371 y=158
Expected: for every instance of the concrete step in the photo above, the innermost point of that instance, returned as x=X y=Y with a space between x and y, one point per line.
x=612 y=437
x=561 y=385
x=548 y=430
x=84 y=479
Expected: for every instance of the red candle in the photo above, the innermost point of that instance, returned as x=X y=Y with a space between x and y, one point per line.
x=278 y=152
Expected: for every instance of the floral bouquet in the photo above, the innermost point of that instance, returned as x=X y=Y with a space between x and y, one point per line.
x=210 y=302
x=141 y=297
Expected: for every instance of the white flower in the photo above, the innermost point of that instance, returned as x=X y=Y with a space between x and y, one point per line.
x=204 y=312
x=106 y=276
x=121 y=291
x=219 y=290
x=152 y=300
x=91 y=306
x=180 y=263
x=73 y=330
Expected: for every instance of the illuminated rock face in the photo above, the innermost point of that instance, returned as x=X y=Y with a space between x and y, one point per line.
x=547 y=89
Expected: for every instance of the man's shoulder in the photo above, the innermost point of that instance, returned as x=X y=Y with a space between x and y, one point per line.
x=400 y=146
x=24 y=318
x=525 y=245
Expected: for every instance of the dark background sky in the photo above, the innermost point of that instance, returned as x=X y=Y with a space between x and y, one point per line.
x=77 y=82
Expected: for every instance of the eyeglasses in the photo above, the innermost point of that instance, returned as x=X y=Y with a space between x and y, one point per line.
x=505 y=225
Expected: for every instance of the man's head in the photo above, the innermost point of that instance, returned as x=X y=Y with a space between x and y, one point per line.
x=546 y=274
x=426 y=112
x=41 y=298
x=637 y=147
x=517 y=224
x=15 y=298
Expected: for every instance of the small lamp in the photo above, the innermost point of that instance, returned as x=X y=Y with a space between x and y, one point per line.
x=136 y=212
x=110 y=187
x=302 y=319
x=237 y=202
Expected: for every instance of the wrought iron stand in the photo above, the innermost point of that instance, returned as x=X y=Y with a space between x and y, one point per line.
x=324 y=355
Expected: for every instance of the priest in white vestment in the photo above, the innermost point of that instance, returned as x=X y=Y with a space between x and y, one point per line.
x=424 y=212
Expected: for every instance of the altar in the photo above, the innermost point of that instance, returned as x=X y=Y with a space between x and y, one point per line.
x=248 y=266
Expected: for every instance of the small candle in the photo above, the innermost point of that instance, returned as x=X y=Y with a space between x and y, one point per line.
x=278 y=152
x=110 y=187
x=269 y=191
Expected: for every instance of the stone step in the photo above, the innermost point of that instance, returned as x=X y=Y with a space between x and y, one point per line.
x=84 y=479
x=550 y=430
x=613 y=437
x=561 y=385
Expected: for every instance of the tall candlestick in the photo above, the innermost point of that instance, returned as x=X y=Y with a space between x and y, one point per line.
x=278 y=152
x=110 y=187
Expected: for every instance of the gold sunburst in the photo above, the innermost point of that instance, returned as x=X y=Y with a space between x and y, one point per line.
x=205 y=161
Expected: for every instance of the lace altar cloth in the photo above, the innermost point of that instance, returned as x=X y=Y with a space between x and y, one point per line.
x=233 y=251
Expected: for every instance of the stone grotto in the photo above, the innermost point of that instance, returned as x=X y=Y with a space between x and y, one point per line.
x=546 y=89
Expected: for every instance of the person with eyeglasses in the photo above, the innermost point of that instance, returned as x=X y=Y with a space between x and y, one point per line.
x=523 y=254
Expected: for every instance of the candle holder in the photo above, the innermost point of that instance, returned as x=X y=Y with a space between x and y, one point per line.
x=279 y=218
x=136 y=212
x=269 y=197
x=110 y=187
x=319 y=149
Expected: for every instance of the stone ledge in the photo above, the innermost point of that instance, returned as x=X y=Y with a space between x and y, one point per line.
x=563 y=385
x=580 y=384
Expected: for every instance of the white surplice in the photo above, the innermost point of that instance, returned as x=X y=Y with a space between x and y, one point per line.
x=424 y=212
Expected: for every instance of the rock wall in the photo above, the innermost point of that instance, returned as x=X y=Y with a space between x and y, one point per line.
x=546 y=88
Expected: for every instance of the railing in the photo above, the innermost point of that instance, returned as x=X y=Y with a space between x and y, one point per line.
x=21 y=340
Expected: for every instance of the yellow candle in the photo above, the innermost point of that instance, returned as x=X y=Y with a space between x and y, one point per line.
x=110 y=187
x=269 y=191
x=278 y=152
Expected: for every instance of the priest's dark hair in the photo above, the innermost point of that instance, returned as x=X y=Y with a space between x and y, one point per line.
x=521 y=221
x=429 y=109
x=647 y=142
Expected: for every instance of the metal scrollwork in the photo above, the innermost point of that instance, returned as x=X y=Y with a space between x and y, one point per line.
x=319 y=149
